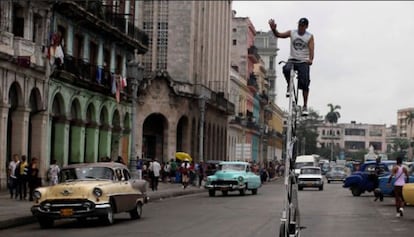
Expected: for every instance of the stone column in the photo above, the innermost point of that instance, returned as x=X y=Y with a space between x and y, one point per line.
x=20 y=131
x=4 y=110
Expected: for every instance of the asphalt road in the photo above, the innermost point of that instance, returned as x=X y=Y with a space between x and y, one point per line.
x=332 y=211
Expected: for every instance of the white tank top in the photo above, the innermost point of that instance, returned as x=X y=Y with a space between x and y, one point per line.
x=400 y=177
x=299 y=48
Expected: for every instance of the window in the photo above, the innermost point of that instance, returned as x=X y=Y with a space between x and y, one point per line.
x=78 y=46
x=234 y=30
x=18 y=21
x=234 y=42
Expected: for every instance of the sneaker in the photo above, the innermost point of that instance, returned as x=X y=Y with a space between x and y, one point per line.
x=401 y=210
x=305 y=111
x=287 y=92
x=397 y=215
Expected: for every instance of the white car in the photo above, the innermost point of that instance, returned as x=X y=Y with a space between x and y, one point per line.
x=310 y=177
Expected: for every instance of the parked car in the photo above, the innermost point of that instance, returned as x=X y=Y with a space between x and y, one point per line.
x=362 y=180
x=310 y=177
x=336 y=173
x=233 y=176
x=90 y=190
x=388 y=190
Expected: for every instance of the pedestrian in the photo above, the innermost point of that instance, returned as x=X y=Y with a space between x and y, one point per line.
x=34 y=180
x=173 y=170
x=140 y=164
x=200 y=173
x=12 y=179
x=53 y=173
x=378 y=170
x=120 y=160
x=302 y=53
x=22 y=177
x=185 y=172
x=402 y=177
x=155 y=167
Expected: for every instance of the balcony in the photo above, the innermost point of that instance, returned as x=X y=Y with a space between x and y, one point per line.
x=98 y=18
x=86 y=75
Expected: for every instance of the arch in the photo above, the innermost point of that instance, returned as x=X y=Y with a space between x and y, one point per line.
x=155 y=137
x=104 y=134
x=34 y=143
x=76 y=134
x=116 y=134
x=14 y=121
x=181 y=135
x=58 y=130
x=91 y=134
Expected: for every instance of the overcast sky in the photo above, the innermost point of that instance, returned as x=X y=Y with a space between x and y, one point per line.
x=364 y=54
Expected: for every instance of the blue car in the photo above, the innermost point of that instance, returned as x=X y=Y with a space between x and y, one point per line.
x=233 y=176
x=388 y=190
x=363 y=180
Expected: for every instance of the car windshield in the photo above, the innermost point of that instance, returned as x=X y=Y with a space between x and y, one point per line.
x=310 y=171
x=301 y=164
x=70 y=174
x=337 y=169
x=235 y=167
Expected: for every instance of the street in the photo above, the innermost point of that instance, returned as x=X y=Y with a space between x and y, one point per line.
x=333 y=210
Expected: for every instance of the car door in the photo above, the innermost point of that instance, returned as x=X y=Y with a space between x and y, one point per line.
x=124 y=194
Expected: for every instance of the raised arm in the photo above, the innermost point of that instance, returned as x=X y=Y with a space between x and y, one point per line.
x=276 y=33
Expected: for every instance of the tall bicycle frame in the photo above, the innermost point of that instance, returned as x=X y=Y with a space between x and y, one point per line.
x=290 y=220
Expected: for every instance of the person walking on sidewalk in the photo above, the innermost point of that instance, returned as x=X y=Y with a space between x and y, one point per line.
x=33 y=177
x=185 y=172
x=155 y=167
x=53 y=173
x=402 y=178
x=22 y=177
x=12 y=179
x=302 y=52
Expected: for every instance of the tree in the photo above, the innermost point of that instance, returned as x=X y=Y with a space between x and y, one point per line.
x=306 y=132
x=332 y=117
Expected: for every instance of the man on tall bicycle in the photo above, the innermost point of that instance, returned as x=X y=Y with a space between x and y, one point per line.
x=301 y=51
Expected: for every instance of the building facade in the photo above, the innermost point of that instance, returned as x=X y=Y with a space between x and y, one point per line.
x=64 y=92
x=183 y=102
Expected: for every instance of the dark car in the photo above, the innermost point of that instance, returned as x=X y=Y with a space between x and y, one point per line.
x=336 y=173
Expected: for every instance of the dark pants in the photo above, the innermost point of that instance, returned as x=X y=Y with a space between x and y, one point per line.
x=154 y=182
x=399 y=201
x=34 y=182
x=12 y=185
x=200 y=179
x=303 y=74
x=22 y=188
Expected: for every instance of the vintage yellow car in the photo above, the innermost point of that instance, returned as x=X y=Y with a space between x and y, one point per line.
x=90 y=190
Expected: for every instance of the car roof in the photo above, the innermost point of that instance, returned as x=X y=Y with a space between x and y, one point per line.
x=111 y=165
x=234 y=162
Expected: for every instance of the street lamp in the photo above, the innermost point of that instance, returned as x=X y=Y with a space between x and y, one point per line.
x=135 y=75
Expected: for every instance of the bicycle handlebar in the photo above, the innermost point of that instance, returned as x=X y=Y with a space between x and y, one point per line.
x=291 y=61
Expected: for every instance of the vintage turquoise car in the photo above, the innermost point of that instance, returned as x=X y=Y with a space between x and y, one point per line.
x=233 y=176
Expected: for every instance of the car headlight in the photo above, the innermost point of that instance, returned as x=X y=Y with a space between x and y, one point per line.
x=240 y=178
x=37 y=194
x=97 y=192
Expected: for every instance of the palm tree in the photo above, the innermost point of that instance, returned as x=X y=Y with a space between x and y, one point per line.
x=410 y=121
x=332 y=117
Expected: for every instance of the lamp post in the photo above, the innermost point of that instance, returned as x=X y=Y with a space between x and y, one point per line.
x=135 y=74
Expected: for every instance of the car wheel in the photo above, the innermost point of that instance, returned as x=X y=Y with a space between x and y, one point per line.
x=300 y=188
x=356 y=191
x=211 y=192
x=329 y=181
x=254 y=191
x=282 y=232
x=242 y=191
x=108 y=219
x=224 y=193
x=321 y=188
x=45 y=222
x=137 y=212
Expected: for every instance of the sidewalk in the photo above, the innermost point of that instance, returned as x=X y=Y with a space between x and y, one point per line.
x=15 y=212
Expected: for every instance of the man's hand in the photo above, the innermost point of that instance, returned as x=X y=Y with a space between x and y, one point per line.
x=272 y=24
x=309 y=62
